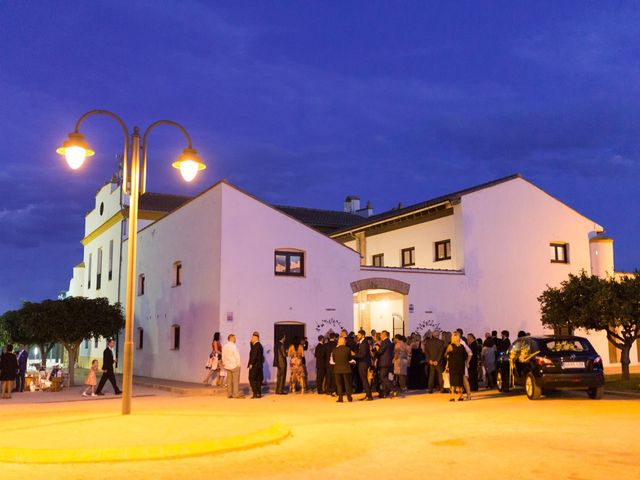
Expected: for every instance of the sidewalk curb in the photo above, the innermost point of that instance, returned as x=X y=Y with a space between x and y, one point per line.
x=622 y=393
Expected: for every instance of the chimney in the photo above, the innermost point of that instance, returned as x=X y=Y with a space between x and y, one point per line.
x=366 y=211
x=351 y=204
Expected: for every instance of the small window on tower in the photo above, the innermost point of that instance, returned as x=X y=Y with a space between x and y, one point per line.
x=141 y=284
x=177 y=274
x=175 y=337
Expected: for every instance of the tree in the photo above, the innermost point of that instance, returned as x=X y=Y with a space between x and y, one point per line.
x=593 y=303
x=29 y=326
x=75 y=319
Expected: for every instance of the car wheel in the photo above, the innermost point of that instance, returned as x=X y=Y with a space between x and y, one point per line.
x=532 y=390
x=596 y=393
x=502 y=383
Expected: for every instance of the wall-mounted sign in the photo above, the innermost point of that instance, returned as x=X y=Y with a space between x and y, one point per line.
x=229 y=316
x=411 y=309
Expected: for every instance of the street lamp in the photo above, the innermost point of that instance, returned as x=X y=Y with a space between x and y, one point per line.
x=75 y=150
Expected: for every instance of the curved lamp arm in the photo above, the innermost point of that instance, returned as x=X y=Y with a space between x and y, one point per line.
x=125 y=130
x=143 y=187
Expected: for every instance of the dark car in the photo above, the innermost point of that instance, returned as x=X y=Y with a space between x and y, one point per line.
x=545 y=363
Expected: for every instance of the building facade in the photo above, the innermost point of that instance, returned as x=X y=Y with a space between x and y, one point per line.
x=226 y=262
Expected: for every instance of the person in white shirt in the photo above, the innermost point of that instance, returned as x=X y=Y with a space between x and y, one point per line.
x=231 y=362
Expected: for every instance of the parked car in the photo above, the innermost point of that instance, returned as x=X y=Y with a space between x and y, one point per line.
x=552 y=362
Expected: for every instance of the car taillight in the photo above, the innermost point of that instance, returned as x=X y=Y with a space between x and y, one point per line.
x=543 y=361
x=597 y=361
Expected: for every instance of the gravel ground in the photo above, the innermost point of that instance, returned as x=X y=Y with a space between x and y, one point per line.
x=566 y=436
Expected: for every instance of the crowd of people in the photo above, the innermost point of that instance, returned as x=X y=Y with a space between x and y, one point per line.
x=348 y=363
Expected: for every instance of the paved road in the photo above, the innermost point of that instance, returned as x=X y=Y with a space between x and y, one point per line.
x=567 y=436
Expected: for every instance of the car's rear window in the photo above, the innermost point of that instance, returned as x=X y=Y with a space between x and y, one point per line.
x=567 y=345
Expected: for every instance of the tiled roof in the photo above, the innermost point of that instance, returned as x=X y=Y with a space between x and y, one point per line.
x=324 y=220
x=161 y=202
x=434 y=201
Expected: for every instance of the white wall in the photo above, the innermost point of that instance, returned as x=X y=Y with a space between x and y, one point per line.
x=252 y=231
x=191 y=235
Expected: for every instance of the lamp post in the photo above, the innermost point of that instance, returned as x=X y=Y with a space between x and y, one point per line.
x=75 y=149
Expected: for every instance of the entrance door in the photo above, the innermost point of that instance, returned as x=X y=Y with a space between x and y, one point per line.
x=290 y=329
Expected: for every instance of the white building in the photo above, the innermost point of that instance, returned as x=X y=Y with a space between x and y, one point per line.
x=226 y=262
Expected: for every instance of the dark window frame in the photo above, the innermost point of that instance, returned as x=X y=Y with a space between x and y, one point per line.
x=288 y=254
x=412 y=253
x=141 y=284
x=177 y=273
x=557 y=246
x=175 y=341
x=140 y=342
x=447 y=250
x=377 y=260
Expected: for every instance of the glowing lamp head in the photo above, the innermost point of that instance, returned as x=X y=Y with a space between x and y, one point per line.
x=75 y=149
x=189 y=164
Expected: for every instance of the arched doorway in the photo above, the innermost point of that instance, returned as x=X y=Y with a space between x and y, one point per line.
x=380 y=304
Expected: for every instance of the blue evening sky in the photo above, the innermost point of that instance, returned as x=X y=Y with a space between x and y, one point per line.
x=303 y=103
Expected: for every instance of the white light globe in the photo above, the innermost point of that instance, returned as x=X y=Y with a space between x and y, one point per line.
x=188 y=169
x=75 y=156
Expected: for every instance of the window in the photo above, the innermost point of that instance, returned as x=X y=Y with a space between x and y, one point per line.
x=175 y=337
x=559 y=252
x=442 y=250
x=378 y=260
x=99 y=270
x=140 y=342
x=141 y=284
x=110 y=260
x=408 y=256
x=89 y=273
x=86 y=343
x=95 y=342
x=177 y=274
x=289 y=263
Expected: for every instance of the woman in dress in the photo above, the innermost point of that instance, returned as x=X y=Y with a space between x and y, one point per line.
x=456 y=356
x=296 y=362
x=401 y=356
x=214 y=363
x=473 y=362
x=417 y=378
x=8 y=370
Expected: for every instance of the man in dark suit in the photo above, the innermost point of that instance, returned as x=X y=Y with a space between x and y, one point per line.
x=331 y=379
x=321 y=364
x=434 y=354
x=23 y=358
x=385 y=366
x=363 y=362
x=256 y=362
x=108 y=362
x=280 y=362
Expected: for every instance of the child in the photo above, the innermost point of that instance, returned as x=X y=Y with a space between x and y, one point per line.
x=90 y=382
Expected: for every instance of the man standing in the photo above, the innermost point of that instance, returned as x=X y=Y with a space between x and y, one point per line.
x=434 y=353
x=363 y=362
x=331 y=378
x=385 y=366
x=23 y=358
x=256 y=361
x=321 y=364
x=505 y=342
x=280 y=362
x=108 y=362
x=231 y=362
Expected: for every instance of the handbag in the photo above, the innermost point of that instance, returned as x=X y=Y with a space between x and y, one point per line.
x=446 y=381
